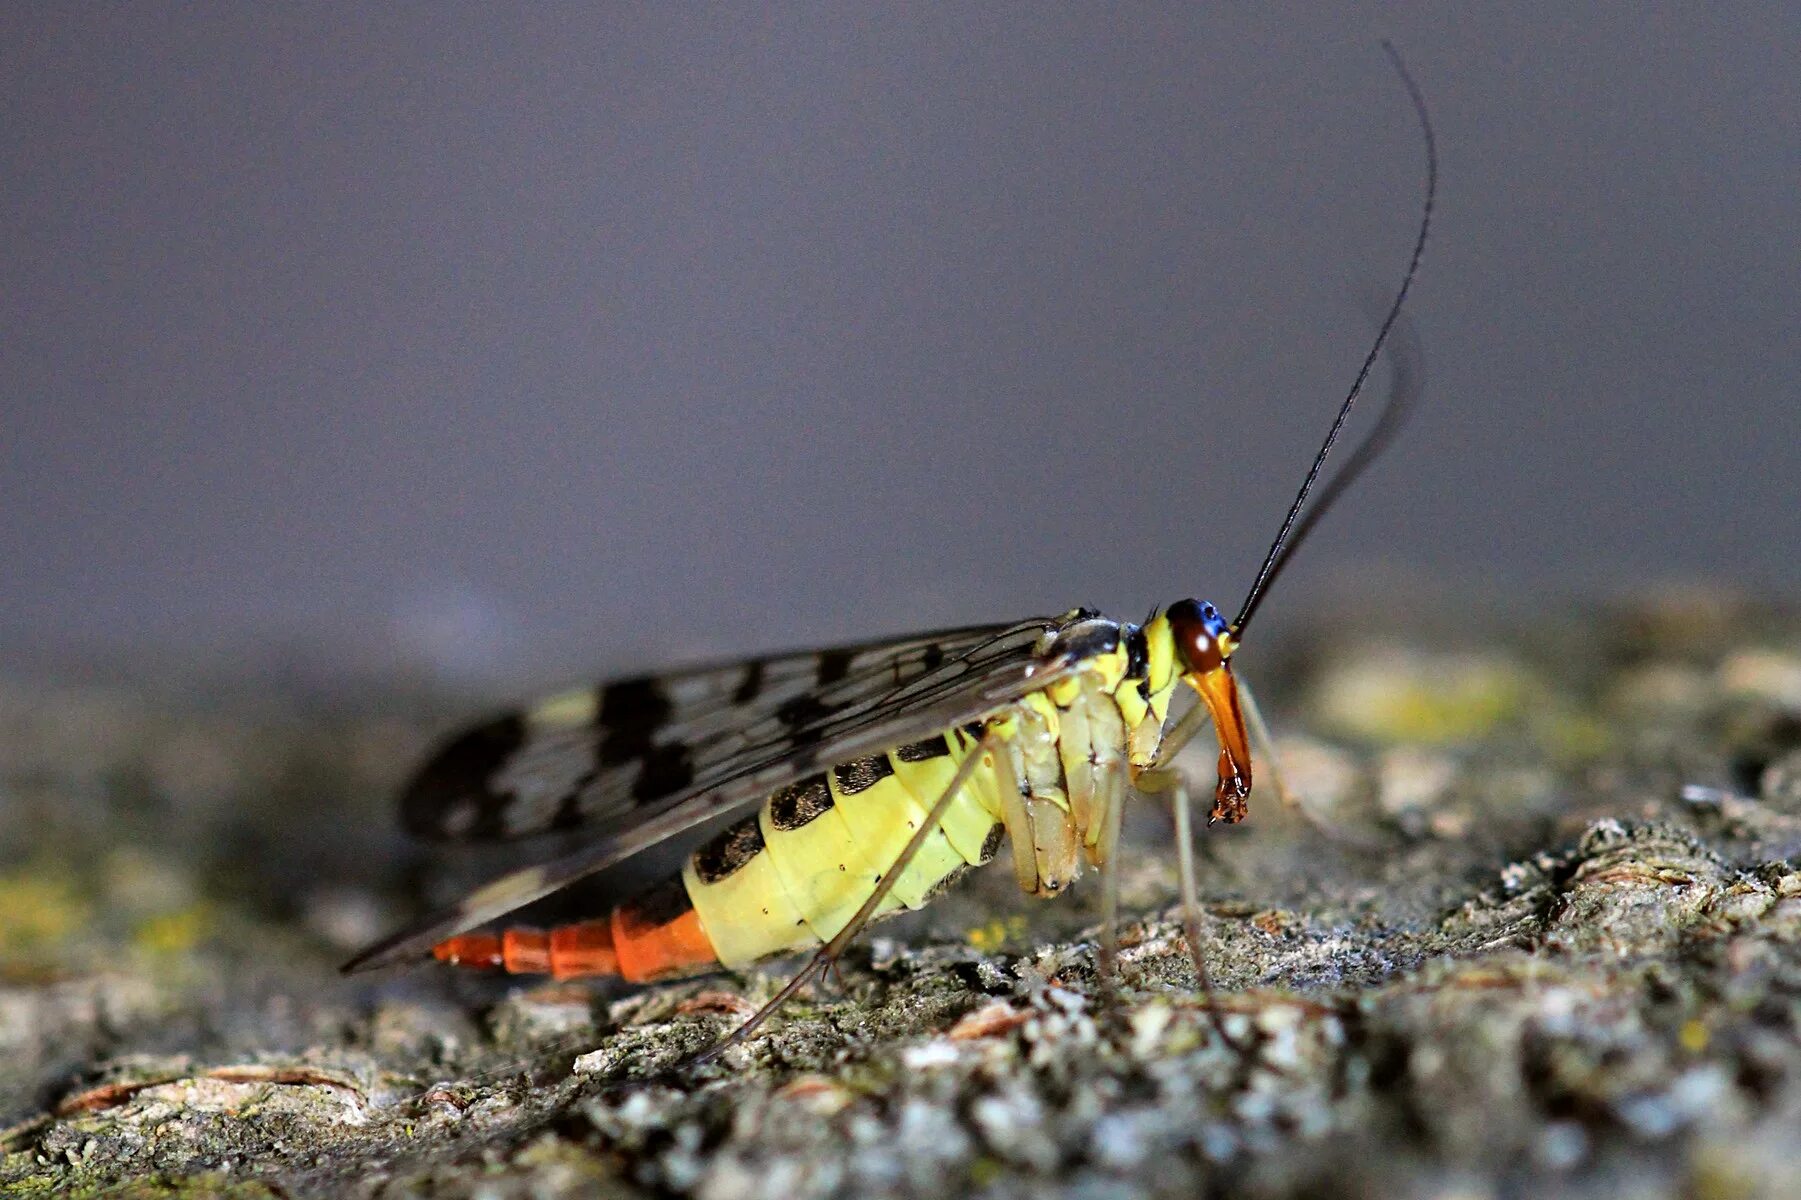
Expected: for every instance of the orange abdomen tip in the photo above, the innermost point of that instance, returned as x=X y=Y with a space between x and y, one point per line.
x=585 y=948
x=655 y=937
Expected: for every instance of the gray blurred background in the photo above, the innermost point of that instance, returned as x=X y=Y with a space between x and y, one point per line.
x=511 y=344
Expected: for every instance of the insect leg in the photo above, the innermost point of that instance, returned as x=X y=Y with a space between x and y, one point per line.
x=1253 y=719
x=1179 y=735
x=1016 y=817
x=827 y=955
x=1172 y=782
x=1111 y=791
x=1191 y=905
x=1152 y=778
x=1107 y=963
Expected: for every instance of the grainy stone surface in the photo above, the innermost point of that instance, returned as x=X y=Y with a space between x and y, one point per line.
x=1540 y=935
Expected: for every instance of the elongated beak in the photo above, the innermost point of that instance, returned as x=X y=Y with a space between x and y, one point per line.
x=1219 y=692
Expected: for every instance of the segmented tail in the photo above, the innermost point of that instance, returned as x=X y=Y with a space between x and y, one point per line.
x=641 y=942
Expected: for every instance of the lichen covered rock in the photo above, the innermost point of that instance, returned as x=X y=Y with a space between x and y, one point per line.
x=1536 y=929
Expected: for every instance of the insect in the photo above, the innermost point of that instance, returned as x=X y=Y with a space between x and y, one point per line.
x=874 y=774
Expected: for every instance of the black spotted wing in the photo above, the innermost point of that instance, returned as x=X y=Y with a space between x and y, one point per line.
x=599 y=754
x=820 y=708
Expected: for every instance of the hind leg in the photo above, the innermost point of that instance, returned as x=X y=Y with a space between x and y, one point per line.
x=826 y=957
x=1171 y=783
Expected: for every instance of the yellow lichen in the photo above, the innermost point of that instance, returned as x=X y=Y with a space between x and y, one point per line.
x=38 y=908
x=175 y=932
x=1400 y=696
x=997 y=933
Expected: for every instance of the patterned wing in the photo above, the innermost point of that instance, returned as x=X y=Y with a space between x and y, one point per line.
x=884 y=697
x=600 y=754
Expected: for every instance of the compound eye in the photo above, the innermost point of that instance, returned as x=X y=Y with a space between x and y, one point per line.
x=1198 y=630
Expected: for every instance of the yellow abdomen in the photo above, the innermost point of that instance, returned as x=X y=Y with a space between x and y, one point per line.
x=797 y=872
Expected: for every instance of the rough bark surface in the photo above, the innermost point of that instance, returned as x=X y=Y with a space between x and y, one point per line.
x=1541 y=936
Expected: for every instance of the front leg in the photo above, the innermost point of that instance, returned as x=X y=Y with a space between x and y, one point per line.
x=1234 y=754
x=1266 y=747
x=1169 y=781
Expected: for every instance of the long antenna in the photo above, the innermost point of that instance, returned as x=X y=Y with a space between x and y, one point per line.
x=1407 y=362
x=1379 y=437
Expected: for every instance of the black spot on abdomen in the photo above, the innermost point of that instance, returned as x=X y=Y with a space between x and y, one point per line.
x=656 y=906
x=728 y=850
x=800 y=803
x=935 y=747
x=861 y=774
x=991 y=845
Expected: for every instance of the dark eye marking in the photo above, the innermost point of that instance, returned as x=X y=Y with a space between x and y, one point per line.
x=1196 y=629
